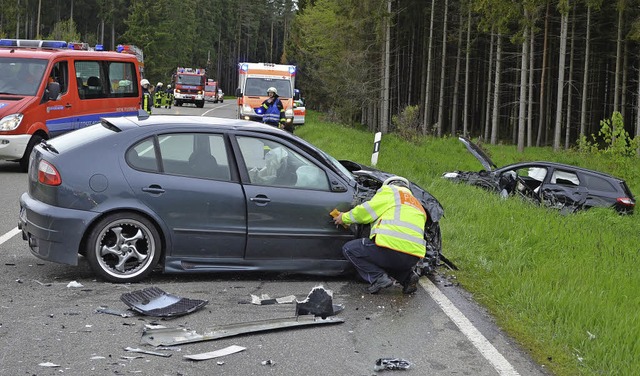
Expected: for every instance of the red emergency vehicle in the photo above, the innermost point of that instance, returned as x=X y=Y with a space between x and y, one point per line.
x=51 y=87
x=188 y=86
x=211 y=91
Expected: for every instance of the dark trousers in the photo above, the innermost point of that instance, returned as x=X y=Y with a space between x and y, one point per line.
x=372 y=261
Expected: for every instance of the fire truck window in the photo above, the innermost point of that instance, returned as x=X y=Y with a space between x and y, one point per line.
x=60 y=74
x=91 y=75
x=123 y=80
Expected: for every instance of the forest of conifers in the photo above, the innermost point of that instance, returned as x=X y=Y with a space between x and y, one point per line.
x=531 y=73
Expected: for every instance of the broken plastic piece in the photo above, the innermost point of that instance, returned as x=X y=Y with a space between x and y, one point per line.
x=319 y=302
x=391 y=364
x=153 y=301
x=216 y=354
x=265 y=299
x=178 y=336
x=268 y=362
x=131 y=349
x=114 y=312
x=74 y=284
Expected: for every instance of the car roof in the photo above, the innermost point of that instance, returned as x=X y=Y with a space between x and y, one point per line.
x=48 y=53
x=127 y=122
x=556 y=165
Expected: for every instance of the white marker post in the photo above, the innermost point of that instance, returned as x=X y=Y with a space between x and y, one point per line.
x=376 y=149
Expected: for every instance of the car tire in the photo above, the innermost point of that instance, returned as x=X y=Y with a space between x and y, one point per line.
x=24 y=161
x=123 y=247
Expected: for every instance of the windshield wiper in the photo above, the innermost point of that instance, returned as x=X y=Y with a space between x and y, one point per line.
x=48 y=146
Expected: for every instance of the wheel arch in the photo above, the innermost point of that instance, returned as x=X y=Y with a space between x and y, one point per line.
x=153 y=219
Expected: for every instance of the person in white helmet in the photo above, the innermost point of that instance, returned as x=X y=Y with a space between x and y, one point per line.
x=396 y=242
x=273 y=110
x=147 y=101
x=168 y=97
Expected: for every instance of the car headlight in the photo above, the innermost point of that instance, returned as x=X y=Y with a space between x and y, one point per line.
x=10 y=122
x=246 y=109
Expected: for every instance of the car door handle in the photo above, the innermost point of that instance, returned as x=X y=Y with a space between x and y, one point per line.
x=68 y=105
x=153 y=188
x=260 y=199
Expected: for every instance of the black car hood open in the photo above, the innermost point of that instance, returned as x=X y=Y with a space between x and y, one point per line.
x=477 y=152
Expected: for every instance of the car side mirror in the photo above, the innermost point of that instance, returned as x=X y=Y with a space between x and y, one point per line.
x=238 y=92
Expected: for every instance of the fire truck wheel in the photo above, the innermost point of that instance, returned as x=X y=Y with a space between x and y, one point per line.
x=24 y=161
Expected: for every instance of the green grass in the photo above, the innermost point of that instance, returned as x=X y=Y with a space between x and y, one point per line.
x=565 y=286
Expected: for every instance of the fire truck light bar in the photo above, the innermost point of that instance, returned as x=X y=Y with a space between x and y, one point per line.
x=33 y=43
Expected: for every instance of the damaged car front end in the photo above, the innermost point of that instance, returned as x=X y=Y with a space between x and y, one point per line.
x=556 y=185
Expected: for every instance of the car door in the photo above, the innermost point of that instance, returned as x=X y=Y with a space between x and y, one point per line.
x=185 y=179
x=564 y=188
x=288 y=203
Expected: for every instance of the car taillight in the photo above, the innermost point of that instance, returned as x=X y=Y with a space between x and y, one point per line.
x=47 y=174
x=626 y=201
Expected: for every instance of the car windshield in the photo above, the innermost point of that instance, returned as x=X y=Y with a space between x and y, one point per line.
x=189 y=79
x=257 y=86
x=21 y=76
x=211 y=88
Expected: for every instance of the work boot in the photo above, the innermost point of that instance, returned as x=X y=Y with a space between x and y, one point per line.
x=381 y=283
x=411 y=283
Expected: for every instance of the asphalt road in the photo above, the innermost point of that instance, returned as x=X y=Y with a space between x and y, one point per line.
x=48 y=327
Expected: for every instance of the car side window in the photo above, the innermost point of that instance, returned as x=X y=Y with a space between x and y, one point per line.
x=60 y=74
x=142 y=156
x=123 y=80
x=90 y=80
x=565 y=178
x=273 y=164
x=598 y=184
x=198 y=155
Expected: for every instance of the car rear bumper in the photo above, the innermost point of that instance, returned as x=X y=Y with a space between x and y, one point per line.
x=54 y=234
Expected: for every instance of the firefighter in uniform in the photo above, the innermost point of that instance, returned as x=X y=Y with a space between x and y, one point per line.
x=273 y=111
x=168 y=97
x=159 y=93
x=147 y=101
x=396 y=242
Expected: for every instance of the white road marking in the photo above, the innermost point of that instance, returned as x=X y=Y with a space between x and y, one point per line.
x=485 y=347
x=217 y=107
x=9 y=235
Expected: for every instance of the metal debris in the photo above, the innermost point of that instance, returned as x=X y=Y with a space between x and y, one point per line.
x=391 y=364
x=136 y=350
x=177 y=336
x=216 y=354
x=114 y=312
x=153 y=301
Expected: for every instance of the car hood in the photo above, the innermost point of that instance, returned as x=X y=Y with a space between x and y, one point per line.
x=10 y=104
x=480 y=155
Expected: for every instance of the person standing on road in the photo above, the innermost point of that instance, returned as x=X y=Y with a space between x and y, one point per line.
x=169 y=97
x=273 y=111
x=147 y=100
x=159 y=93
x=396 y=242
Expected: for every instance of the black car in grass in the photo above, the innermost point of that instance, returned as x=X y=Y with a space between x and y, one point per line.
x=568 y=188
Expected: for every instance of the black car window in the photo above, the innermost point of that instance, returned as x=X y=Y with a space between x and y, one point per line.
x=598 y=184
x=565 y=178
x=273 y=164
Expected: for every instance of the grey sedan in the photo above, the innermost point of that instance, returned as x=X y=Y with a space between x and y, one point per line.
x=195 y=194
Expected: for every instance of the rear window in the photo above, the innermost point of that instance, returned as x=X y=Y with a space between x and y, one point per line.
x=598 y=184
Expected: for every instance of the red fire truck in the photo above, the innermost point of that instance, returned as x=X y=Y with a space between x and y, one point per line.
x=188 y=86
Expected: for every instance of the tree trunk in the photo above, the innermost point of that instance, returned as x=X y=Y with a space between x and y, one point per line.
x=488 y=104
x=530 y=96
x=561 y=63
x=496 y=93
x=523 y=85
x=616 y=85
x=384 y=110
x=465 y=121
x=567 y=136
x=426 y=121
x=541 y=111
x=456 y=80
x=585 y=76
x=443 y=70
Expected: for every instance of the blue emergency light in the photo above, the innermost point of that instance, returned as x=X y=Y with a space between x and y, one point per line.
x=292 y=70
x=244 y=67
x=33 y=43
x=120 y=48
x=99 y=47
